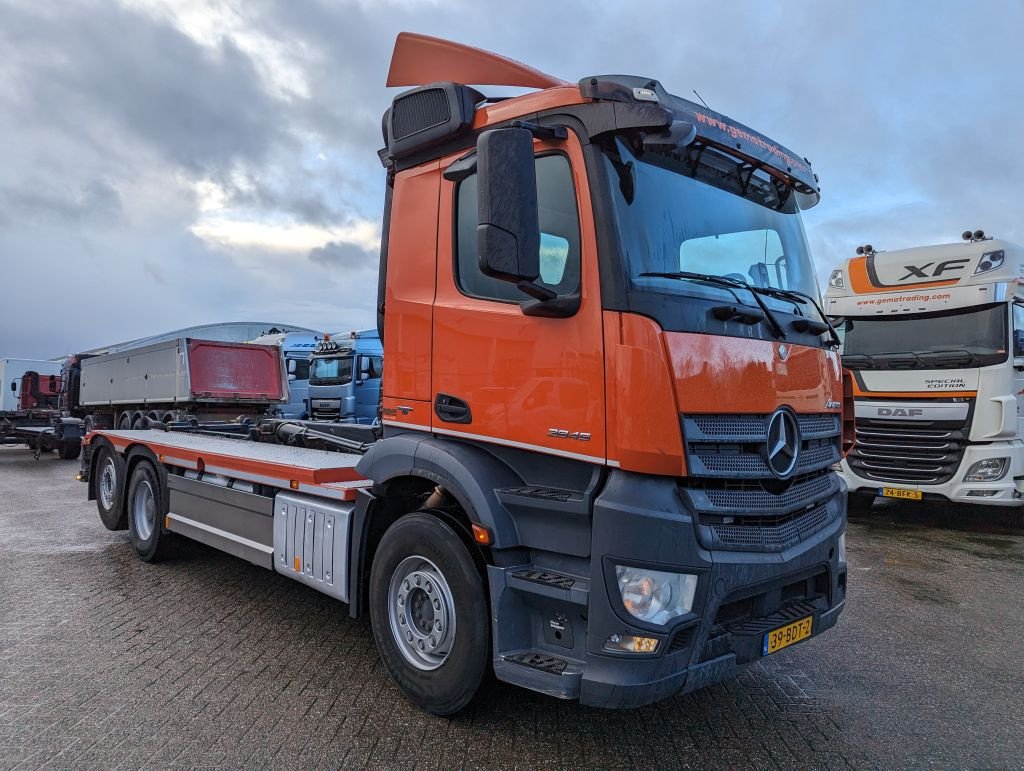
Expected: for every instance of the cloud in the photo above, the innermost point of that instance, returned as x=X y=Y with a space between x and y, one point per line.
x=342 y=254
x=169 y=162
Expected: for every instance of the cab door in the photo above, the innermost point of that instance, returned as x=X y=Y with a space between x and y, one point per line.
x=499 y=375
x=1017 y=349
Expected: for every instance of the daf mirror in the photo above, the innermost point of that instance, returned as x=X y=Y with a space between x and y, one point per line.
x=508 y=233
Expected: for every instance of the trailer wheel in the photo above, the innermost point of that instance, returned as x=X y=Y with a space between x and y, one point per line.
x=124 y=422
x=69 y=450
x=110 y=471
x=429 y=613
x=146 y=510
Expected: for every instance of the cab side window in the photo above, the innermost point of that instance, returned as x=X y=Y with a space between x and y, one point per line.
x=559 y=236
x=1018 y=331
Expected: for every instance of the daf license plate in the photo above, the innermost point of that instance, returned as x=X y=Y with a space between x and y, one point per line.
x=900 y=492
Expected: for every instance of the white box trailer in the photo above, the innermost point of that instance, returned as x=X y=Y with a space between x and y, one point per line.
x=11 y=371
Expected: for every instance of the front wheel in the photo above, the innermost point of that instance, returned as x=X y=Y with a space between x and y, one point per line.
x=429 y=613
x=146 y=510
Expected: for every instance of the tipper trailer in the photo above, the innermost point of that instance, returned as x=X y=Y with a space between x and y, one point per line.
x=174 y=381
x=610 y=410
x=934 y=338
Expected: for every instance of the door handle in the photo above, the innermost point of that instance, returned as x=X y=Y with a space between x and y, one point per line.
x=451 y=409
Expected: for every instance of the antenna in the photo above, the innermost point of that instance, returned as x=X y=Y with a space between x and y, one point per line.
x=701 y=98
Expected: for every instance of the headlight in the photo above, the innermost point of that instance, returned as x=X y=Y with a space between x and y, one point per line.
x=990 y=261
x=836 y=280
x=654 y=596
x=988 y=470
x=842 y=548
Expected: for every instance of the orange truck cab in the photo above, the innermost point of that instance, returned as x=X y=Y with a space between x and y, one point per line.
x=611 y=407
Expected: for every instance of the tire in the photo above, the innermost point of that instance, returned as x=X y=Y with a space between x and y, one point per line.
x=138 y=421
x=110 y=486
x=453 y=616
x=859 y=503
x=147 y=506
x=69 y=450
x=124 y=422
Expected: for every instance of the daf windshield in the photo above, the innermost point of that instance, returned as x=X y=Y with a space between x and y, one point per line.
x=965 y=337
x=709 y=215
x=331 y=370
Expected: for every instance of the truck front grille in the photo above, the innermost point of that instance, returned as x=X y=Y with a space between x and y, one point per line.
x=738 y=502
x=734 y=445
x=908 y=453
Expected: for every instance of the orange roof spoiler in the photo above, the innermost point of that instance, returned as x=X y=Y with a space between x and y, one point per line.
x=421 y=59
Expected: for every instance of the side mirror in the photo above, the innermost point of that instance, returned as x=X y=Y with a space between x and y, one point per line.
x=291 y=367
x=291 y=376
x=508 y=233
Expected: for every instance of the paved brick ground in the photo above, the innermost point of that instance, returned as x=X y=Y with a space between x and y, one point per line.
x=208 y=661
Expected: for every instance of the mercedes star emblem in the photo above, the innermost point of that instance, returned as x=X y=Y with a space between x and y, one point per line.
x=783 y=443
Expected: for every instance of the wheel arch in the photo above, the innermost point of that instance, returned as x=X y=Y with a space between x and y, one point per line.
x=405 y=469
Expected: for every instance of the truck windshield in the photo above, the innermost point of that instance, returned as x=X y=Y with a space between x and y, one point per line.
x=964 y=337
x=710 y=216
x=331 y=370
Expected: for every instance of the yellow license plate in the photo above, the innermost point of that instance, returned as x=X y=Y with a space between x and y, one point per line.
x=777 y=639
x=899 y=492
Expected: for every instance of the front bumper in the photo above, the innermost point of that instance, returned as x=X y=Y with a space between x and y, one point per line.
x=740 y=595
x=1008 y=491
x=642 y=520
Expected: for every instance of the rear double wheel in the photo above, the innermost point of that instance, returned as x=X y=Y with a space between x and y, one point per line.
x=147 y=507
x=429 y=613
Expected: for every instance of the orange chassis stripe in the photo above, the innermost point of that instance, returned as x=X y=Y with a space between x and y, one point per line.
x=282 y=472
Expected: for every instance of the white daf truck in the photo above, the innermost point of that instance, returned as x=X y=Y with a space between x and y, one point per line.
x=934 y=337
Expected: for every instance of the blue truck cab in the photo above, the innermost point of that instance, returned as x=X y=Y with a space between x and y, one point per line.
x=296 y=350
x=344 y=378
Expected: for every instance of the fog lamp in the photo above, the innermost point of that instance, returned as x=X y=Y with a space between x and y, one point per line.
x=631 y=643
x=988 y=470
x=655 y=596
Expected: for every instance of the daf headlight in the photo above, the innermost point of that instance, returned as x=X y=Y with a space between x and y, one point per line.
x=655 y=596
x=988 y=470
x=836 y=280
x=990 y=261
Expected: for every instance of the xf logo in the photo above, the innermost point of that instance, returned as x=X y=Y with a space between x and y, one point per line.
x=940 y=268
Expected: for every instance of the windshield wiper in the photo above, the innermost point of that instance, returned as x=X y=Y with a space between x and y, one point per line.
x=858 y=361
x=729 y=282
x=805 y=325
x=949 y=358
x=908 y=360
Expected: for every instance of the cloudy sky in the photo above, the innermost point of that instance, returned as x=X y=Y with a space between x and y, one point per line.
x=173 y=162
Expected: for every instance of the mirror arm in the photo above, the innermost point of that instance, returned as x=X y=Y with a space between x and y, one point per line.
x=536 y=291
x=560 y=307
x=542 y=132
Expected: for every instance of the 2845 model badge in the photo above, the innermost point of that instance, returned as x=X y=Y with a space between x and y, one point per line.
x=562 y=433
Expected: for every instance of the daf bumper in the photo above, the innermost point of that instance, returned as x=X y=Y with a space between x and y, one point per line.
x=1007 y=491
